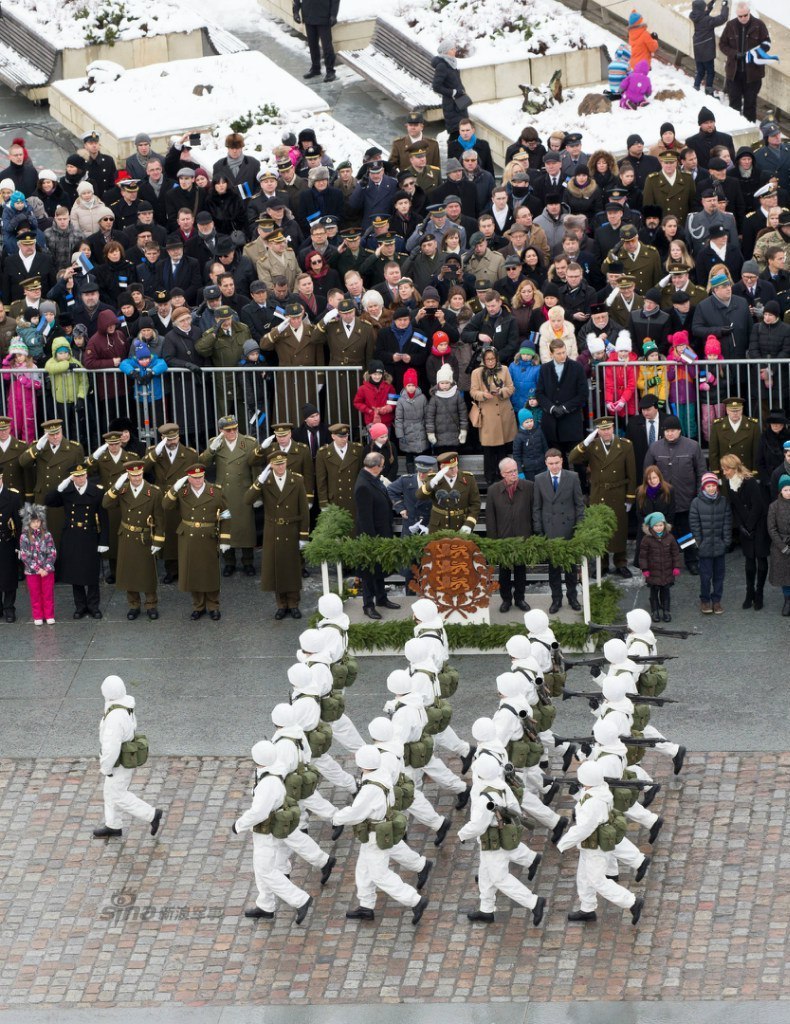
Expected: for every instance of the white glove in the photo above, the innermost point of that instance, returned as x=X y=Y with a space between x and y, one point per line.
x=102 y=549
x=302 y=545
x=268 y=442
x=432 y=438
x=283 y=327
x=612 y=296
x=64 y=484
x=423 y=528
x=225 y=513
x=155 y=548
x=99 y=451
x=462 y=437
x=264 y=475
x=216 y=444
x=389 y=707
x=41 y=442
x=628 y=506
x=224 y=547
x=590 y=438
x=160 y=447
x=257 y=504
x=120 y=481
x=330 y=315
x=466 y=529
x=439 y=476
x=180 y=483
x=417 y=528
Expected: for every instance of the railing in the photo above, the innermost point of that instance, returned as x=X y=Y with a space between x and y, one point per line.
x=259 y=399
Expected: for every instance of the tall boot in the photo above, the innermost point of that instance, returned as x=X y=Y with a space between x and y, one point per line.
x=655 y=611
x=750 y=573
x=786 y=606
x=665 y=603
x=762 y=576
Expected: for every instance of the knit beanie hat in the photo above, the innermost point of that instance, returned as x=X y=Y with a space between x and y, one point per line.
x=719 y=279
x=59 y=345
x=653 y=518
x=47 y=306
x=670 y=423
x=648 y=347
x=623 y=343
x=524 y=414
x=445 y=372
x=712 y=346
x=410 y=377
x=83 y=187
x=17 y=347
x=772 y=306
x=635 y=20
x=784 y=481
x=596 y=344
x=249 y=346
x=16 y=197
x=140 y=350
x=377 y=430
x=678 y=338
x=709 y=478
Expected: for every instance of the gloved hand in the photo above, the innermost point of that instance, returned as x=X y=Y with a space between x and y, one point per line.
x=389 y=706
x=180 y=483
x=423 y=529
x=432 y=438
x=160 y=447
x=629 y=505
x=102 y=549
x=282 y=327
x=120 y=481
x=64 y=484
x=647 y=574
x=99 y=451
x=330 y=315
x=332 y=22
x=263 y=475
x=462 y=436
x=596 y=671
x=676 y=572
x=41 y=442
x=268 y=442
x=302 y=545
x=194 y=368
x=297 y=16
x=586 y=749
x=590 y=438
x=440 y=476
x=224 y=547
x=225 y=513
x=415 y=529
x=216 y=443
x=465 y=529
x=155 y=549
x=611 y=406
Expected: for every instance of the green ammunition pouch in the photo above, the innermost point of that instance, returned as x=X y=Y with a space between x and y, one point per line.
x=352 y=668
x=320 y=739
x=333 y=706
x=439 y=716
x=524 y=753
x=418 y=753
x=554 y=681
x=339 y=675
x=516 y=788
x=544 y=715
x=404 y=792
x=282 y=822
x=624 y=797
x=641 y=715
x=506 y=836
x=653 y=682
x=448 y=681
x=635 y=754
x=391 y=831
x=362 y=831
x=302 y=782
x=134 y=753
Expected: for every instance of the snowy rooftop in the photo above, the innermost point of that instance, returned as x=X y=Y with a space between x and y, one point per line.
x=160 y=99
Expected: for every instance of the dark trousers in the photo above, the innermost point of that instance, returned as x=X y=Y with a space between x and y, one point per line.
x=711 y=578
x=229 y=556
x=9 y=600
x=372 y=586
x=555 y=582
x=680 y=527
x=756 y=575
x=492 y=456
x=86 y=599
x=704 y=70
x=320 y=34
x=512 y=582
x=743 y=95
x=659 y=599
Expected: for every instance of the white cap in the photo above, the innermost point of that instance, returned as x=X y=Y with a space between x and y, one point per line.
x=614 y=689
x=483 y=730
x=536 y=620
x=424 y=610
x=519 y=647
x=417 y=649
x=606 y=730
x=615 y=651
x=313 y=640
x=623 y=343
x=264 y=753
x=283 y=716
x=590 y=773
x=399 y=682
x=638 y=620
x=47 y=175
x=8 y=183
x=113 y=688
x=330 y=605
x=596 y=344
x=381 y=729
x=368 y=758
x=487 y=769
x=299 y=675
x=511 y=684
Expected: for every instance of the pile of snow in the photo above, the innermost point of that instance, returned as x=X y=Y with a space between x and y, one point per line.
x=493 y=31
x=177 y=96
x=76 y=23
x=609 y=131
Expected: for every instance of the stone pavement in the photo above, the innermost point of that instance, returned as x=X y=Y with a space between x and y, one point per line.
x=158 y=923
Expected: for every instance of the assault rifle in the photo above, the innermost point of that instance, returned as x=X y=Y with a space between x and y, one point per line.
x=636 y=698
x=646 y=659
x=574 y=785
x=630 y=741
x=622 y=629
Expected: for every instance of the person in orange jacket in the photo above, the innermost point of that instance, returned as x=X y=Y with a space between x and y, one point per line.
x=643 y=43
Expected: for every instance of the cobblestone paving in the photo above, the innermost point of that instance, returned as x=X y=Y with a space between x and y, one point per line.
x=144 y=922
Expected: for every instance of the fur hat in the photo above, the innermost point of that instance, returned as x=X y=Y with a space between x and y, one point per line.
x=34 y=512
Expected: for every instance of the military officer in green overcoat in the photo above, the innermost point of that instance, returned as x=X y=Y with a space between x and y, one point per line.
x=108 y=462
x=297 y=455
x=337 y=467
x=170 y=460
x=734 y=434
x=455 y=496
x=51 y=458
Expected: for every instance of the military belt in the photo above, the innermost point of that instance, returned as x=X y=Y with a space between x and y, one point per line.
x=285 y=522
x=131 y=529
x=197 y=526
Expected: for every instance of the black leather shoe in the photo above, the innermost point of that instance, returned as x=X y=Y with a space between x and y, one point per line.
x=312 y=73
x=505 y=607
x=522 y=605
x=573 y=602
x=10 y=616
x=197 y=615
x=533 y=868
x=295 y=613
x=326 y=870
x=537 y=910
x=668 y=618
x=80 y=615
x=169 y=577
x=559 y=828
x=582 y=915
x=463 y=799
x=568 y=756
x=301 y=913
x=106 y=833
x=693 y=569
x=480 y=915
x=370 y=612
x=641 y=871
x=386 y=603
x=650 y=794
x=215 y=616
x=157 y=821
x=678 y=759
x=419 y=910
x=656 y=616
x=442 y=831
x=360 y=914
x=657 y=826
x=636 y=910
x=249 y=570
x=109 y=579
x=280 y=614
x=337 y=832
x=330 y=76
x=466 y=762
x=256 y=912
x=229 y=570
x=624 y=571
x=96 y=615
x=422 y=878
x=132 y=614
x=152 y=614
x=550 y=793
x=554 y=607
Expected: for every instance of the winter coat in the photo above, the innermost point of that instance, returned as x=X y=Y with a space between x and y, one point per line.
x=446 y=416
x=653 y=380
x=529 y=451
x=770 y=341
x=682 y=465
x=85 y=215
x=21 y=400
x=147 y=380
x=62 y=244
x=656 y=504
x=704 y=40
x=101 y=350
x=620 y=383
x=371 y=398
x=749 y=512
x=447 y=82
x=779 y=532
x=643 y=46
x=318 y=12
x=525 y=379
x=770 y=453
x=737 y=38
x=711 y=315
x=67 y=385
x=497 y=419
x=710 y=520
x=410 y=422
x=659 y=556
x=636 y=87
x=585 y=200
x=37 y=551
x=436 y=361
x=15 y=219
x=618 y=68
x=682 y=380
x=546 y=335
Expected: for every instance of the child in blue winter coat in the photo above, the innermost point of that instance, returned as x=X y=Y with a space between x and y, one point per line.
x=146 y=371
x=529 y=446
x=16 y=214
x=524 y=372
x=619 y=68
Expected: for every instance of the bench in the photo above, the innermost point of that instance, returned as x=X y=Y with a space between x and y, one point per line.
x=398 y=66
x=26 y=58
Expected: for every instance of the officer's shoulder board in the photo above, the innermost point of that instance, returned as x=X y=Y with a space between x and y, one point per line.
x=653 y=174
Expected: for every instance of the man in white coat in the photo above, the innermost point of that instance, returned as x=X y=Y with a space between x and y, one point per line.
x=118 y=725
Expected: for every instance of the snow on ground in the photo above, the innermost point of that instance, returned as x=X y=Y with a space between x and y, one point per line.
x=159 y=99
x=74 y=23
x=493 y=31
x=609 y=131
x=779 y=10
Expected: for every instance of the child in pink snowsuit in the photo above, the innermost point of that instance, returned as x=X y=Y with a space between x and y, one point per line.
x=37 y=554
x=636 y=87
x=22 y=388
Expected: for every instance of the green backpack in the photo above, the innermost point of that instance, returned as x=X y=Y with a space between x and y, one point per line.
x=134 y=753
x=653 y=682
x=282 y=822
x=506 y=836
x=448 y=681
x=544 y=715
x=320 y=739
x=641 y=715
x=439 y=716
x=635 y=753
x=404 y=792
x=419 y=752
x=302 y=782
x=333 y=706
x=624 y=796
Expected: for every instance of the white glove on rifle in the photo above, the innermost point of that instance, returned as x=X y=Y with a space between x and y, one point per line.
x=264 y=475
x=216 y=444
x=99 y=451
x=628 y=506
x=120 y=481
x=41 y=442
x=102 y=549
x=590 y=438
x=180 y=483
x=415 y=529
x=64 y=484
x=466 y=529
x=224 y=547
x=160 y=447
x=155 y=548
x=268 y=442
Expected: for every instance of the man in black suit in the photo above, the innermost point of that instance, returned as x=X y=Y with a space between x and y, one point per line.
x=374 y=519
x=557 y=506
x=179 y=271
x=562 y=393
x=644 y=429
x=258 y=315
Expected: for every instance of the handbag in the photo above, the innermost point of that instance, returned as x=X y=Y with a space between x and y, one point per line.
x=474 y=414
x=463 y=101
